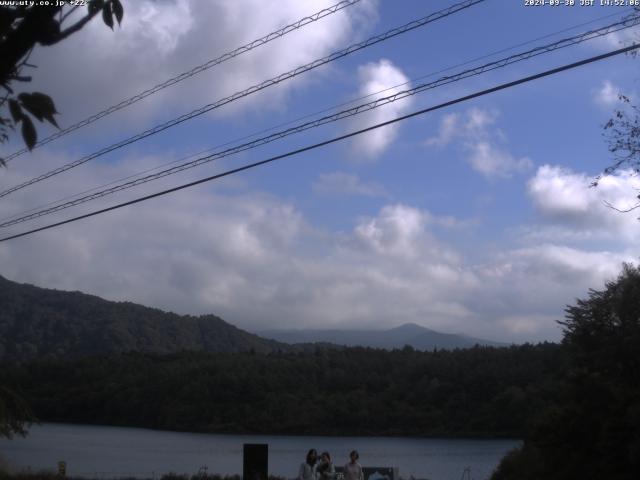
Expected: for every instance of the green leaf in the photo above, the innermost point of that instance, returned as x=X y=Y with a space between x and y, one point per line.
x=107 y=15
x=118 y=10
x=16 y=111
x=29 y=132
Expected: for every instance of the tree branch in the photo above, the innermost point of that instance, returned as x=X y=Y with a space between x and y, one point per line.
x=630 y=209
x=76 y=26
x=18 y=43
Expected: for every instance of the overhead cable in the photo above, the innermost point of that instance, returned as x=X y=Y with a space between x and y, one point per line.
x=350 y=112
x=291 y=153
x=253 y=89
x=190 y=73
x=311 y=115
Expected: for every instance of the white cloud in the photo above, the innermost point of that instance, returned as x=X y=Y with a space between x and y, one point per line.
x=482 y=141
x=397 y=231
x=252 y=259
x=621 y=38
x=472 y=125
x=447 y=132
x=96 y=67
x=347 y=184
x=566 y=198
x=479 y=121
x=375 y=77
x=525 y=290
x=607 y=94
x=493 y=162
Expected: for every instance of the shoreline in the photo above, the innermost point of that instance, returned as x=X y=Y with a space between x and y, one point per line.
x=284 y=434
x=121 y=452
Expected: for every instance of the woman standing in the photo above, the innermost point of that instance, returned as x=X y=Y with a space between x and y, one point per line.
x=353 y=470
x=308 y=467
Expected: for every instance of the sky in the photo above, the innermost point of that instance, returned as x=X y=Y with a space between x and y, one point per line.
x=477 y=218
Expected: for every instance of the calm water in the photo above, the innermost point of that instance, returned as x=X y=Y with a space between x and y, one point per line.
x=98 y=451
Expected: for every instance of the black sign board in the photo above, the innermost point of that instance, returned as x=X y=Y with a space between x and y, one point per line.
x=255 y=465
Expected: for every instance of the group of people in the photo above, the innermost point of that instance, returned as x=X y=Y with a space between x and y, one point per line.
x=321 y=468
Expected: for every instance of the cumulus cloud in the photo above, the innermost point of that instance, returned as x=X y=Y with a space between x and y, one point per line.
x=342 y=183
x=375 y=77
x=565 y=198
x=252 y=259
x=396 y=231
x=524 y=290
x=97 y=67
x=482 y=141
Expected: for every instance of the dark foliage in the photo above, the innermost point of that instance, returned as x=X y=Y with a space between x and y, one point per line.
x=22 y=28
x=169 y=476
x=483 y=391
x=592 y=430
x=15 y=414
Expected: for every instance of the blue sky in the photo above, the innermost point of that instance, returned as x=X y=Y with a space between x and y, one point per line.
x=476 y=218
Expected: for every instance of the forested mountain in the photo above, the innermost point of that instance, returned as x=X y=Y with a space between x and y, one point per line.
x=481 y=391
x=43 y=323
x=40 y=323
x=416 y=336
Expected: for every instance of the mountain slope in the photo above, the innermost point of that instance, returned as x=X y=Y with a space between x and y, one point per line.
x=43 y=323
x=416 y=336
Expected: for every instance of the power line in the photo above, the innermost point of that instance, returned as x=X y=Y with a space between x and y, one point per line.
x=291 y=153
x=318 y=112
x=190 y=73
x=501 y=63
x=253 y=89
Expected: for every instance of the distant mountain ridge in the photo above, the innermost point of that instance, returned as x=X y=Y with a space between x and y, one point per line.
x=41 y=323
x=416 y=336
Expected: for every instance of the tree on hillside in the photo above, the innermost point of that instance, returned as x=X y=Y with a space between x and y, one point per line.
x=14 y=414
x=593 y=430
x=22 y=28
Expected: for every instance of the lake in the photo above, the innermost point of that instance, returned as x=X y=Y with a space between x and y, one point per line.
x=108 y=452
